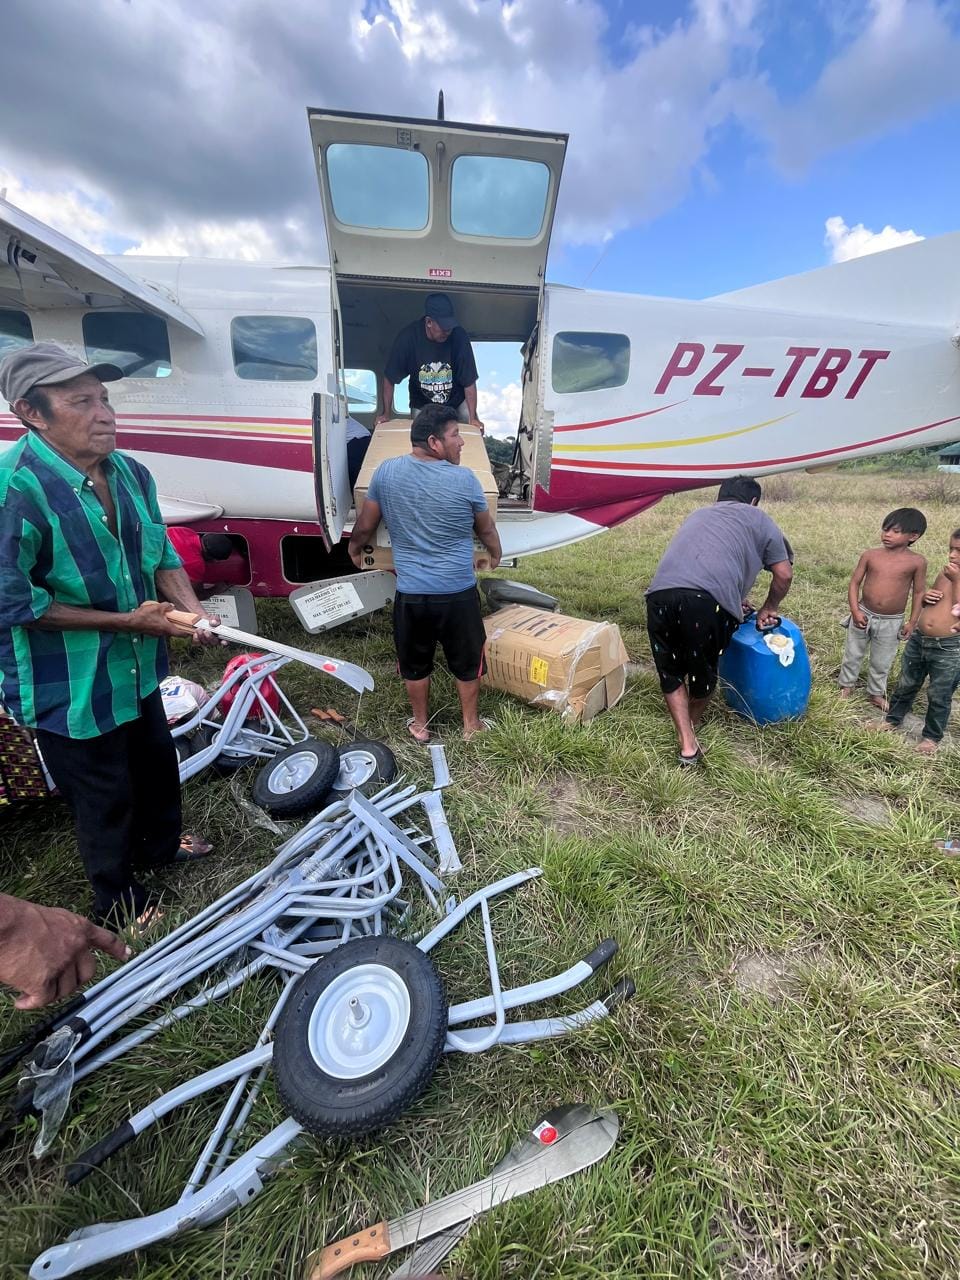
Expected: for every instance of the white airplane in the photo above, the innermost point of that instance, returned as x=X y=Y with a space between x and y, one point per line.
x=240 y=375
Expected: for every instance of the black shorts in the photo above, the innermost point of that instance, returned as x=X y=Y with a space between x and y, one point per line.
x=420 y=621
x=688 y=633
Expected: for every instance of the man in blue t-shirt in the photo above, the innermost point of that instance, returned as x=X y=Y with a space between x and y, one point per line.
x=432 y=508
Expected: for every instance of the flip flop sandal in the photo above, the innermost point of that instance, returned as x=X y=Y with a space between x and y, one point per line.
x=421 y=737
x=951 y=846
x=485 y=724
x=149 y=919
x=193 y=847
x=691 y=762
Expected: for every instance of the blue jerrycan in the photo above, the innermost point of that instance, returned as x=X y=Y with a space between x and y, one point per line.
x=766 y=674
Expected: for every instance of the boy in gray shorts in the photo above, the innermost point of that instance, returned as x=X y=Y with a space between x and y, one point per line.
x=878 y=593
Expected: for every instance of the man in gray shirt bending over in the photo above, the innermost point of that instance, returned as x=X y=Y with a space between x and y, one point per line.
x=432 y=507
x=698 y=594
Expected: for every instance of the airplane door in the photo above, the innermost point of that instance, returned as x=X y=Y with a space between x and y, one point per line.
x=330 y=465
x=431 y=200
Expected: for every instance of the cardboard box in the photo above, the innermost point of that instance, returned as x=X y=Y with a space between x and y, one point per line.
x=392 y=440
x=570 y=665
x=377 y=557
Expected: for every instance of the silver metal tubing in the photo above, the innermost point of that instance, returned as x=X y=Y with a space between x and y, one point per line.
x=238 y=1184
x=518 y=996
x=440 y=931
x=484 y=1037
x=525 y=1032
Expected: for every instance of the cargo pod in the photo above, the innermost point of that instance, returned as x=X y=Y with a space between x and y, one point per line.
x=412 y=206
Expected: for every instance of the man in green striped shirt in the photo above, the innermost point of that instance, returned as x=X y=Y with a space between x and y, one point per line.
x=83 y=557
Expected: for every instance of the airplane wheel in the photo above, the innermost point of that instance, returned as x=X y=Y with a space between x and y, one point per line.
x=364 y=767
x=360 y=1036
x=297 y=779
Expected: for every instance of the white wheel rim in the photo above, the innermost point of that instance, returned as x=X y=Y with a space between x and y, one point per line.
x=357 y=766
x=290 y=774
x=359 y=1021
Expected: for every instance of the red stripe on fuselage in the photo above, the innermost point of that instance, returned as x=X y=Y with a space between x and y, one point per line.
x=262 y=451
x=593 y=465
x=610 y=422
x=279 y=452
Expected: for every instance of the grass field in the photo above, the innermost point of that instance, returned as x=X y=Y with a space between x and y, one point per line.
x=787 y=1077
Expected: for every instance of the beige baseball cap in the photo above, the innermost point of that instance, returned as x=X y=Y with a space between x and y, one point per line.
x=44 y=364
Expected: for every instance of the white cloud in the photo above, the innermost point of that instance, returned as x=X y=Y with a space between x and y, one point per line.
x=901 y=61
x=183 y=141
x=499 y=408
x=846 y=242
x=94 y=222
x=246 y=238
x=76 y=213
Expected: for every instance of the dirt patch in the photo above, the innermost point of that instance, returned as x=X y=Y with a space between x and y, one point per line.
x=767 y=973
x=564 y=795
x=744 y=1255
x=871 y=809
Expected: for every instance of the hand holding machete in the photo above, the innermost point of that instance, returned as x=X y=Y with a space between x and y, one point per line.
x=348 y=672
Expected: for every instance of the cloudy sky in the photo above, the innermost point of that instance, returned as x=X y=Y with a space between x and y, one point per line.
x=713 y=143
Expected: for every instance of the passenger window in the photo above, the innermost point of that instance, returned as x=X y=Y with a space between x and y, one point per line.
x=382 y=187
x=15 y=331
x=498 y=197
x=135 y=341
x=274 y=348
x=360 y=388
x=590 y=361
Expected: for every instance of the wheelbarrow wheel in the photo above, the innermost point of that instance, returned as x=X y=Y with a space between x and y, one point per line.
x=297 y=779
x=360 y=1036
x=364 y=767
x=185 y=746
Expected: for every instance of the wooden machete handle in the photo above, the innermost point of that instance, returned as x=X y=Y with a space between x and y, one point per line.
x=369 y=1245
x=185 y=619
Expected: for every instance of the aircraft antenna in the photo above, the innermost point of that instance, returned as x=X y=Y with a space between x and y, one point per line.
x=440 y=105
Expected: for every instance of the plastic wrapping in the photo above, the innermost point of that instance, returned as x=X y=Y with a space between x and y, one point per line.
x=49 y=1075
x=569 y=665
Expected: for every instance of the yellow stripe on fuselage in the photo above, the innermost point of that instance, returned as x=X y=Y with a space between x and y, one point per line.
x=665 y=444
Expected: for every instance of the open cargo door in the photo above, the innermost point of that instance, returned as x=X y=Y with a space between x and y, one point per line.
x=413 y=201
x=330 y=467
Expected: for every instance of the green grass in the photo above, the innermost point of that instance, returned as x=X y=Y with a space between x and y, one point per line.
x=787 y=1075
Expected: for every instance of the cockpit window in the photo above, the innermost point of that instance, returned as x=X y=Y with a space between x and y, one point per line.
x=387 y=188
x=590 y=361
x=498 y=197
x=274 y=348
x=15 y=331
x=134 y=340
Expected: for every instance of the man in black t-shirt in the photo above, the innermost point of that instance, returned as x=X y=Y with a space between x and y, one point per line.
x=434 y=352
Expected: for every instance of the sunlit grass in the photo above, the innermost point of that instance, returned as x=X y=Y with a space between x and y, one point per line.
x=788 y=1075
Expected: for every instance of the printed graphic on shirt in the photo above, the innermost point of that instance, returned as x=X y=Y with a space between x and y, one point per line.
x=436 y=380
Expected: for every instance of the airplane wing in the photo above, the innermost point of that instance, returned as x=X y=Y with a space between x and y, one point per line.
x=41 y=268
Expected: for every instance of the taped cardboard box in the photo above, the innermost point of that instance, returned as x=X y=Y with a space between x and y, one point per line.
x=392 y=440
x=570 y=665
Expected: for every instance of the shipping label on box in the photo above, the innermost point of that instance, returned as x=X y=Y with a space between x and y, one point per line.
x=572 y=665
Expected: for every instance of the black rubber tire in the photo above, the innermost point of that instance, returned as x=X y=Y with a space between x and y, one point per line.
x=327 y=1105
x=227 y=765
x=386 y=767
x=186 y=746
x=311 y=793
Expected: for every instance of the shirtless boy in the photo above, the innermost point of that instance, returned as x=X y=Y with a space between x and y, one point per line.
x=878 y=593
x=933 y=650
